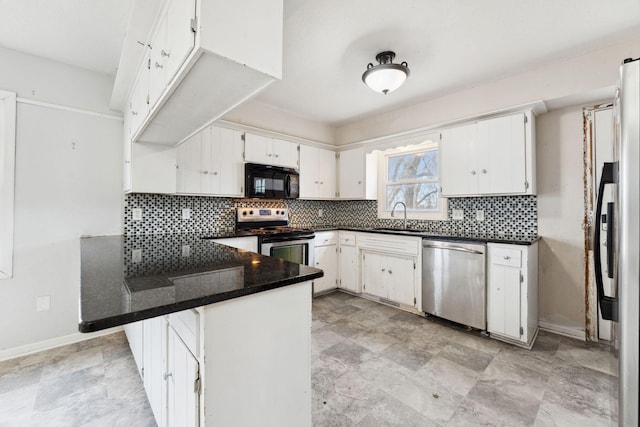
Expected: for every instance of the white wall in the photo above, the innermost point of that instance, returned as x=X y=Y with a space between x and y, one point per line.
x=68 y=184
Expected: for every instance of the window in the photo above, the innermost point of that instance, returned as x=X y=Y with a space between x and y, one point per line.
x=7 y=177
x=410 y=175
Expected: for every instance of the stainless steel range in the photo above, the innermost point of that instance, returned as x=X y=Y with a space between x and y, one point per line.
x=275 y=237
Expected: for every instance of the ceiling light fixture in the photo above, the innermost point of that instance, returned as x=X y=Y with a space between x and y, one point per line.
x=386 y=76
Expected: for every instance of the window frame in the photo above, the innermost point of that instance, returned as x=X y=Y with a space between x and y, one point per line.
x=7 y=180
x=383 y=183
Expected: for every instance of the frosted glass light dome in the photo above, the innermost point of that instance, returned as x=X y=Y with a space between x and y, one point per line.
x=386 y=76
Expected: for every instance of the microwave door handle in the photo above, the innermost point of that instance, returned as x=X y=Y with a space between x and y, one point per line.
x=608 y=305
x=610 y=239
x=288 y=186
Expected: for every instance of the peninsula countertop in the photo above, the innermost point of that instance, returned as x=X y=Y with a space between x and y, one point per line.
x=130 y=278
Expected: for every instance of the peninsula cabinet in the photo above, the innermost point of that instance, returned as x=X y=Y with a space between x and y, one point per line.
x=512 y=296
x=270 y=151
x=489 y=157
x=326 y=259
x=390 y=268
x=210 y=162
x=317 y=173
x=203 y=366
x=205 y=58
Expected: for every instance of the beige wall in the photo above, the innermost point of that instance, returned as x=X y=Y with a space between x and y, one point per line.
x=560 y=215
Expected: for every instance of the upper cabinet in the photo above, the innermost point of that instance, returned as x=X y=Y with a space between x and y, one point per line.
x=356 y=175
x=204 y=59
x=210 y=162
x=489 y=157
x=317 y=173
x=270 y=151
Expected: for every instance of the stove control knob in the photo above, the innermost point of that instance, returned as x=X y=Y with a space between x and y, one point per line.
x=250 y=212
x=244 y=213
x=277 y=212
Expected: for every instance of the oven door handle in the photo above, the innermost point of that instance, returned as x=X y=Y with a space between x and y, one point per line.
x=288 y=239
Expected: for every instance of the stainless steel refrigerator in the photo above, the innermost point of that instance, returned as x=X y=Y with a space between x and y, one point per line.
x=622 y=216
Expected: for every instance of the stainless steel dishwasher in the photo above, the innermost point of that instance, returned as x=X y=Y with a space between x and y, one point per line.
x=453 y=281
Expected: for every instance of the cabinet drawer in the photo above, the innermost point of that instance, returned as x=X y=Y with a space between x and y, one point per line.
x=506 y=256
x=326 y=238
x=347 y=239
x=187 y=325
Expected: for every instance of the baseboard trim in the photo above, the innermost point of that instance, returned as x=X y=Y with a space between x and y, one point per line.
x=563 y=330
x=23 y=350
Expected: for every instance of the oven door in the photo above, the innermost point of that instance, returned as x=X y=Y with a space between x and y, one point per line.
x=295 y=249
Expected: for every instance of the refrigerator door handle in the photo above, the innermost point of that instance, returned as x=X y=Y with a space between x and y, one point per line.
x=608 y=305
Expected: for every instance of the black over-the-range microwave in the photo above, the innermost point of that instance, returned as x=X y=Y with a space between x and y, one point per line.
x=271 y=182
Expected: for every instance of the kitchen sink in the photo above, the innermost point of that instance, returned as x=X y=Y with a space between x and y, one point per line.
x=402 y=230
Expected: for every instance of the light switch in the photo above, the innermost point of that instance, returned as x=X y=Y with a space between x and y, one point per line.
x=186 y=213
x=136 y=214
x=136 y=255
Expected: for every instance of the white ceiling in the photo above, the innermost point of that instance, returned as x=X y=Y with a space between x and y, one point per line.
x=449 y=45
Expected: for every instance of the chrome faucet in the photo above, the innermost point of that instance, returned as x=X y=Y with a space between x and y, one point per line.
x=405 y=212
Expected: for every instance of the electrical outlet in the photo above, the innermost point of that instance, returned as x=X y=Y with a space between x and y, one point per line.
x=136 y=214
x=186 y=251
x=43 y=303
x=136 y=255
x=479 y=215
x=457 y=214
x=186 y=213
x=320 y=213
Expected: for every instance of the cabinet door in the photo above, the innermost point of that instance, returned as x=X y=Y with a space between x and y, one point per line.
x=257 y=149
x=135 y=336
x=399 y=279
x=348 y=262
x=458 y=171
x=308 y=172
x=157 y=79
x=504 y=301
x=180 y=37
x=501 y=160
x=326 y=174
x=181 y=167
x=183 y=384
x=155 y=364
x=351 y=171
x=193 y=172
x=373 y=274
x=138 y=103
x=227 y=150
x=285 y=153
x=326 y=258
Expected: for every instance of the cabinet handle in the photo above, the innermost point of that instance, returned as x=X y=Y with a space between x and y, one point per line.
x=315 y=182
x=164 y=53
x=134 y=113
x=390 y=271
x=507 y=257
x=359 y=182
x=483 y=171
x=276 y=156
x=205 y=172
x=382 y=270
x=321 y=182
x=215 y=173
x=167 y=375
x=317 y=263
x=158 y=65
x=268 y=155
x=473 y=172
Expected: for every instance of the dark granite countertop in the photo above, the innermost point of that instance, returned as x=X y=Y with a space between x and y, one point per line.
x=514 y=240
x=130 y=278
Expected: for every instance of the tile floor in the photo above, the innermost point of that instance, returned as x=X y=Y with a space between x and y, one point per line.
x=372 y=365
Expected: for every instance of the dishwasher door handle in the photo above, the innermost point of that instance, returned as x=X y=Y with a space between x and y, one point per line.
x=454 y=248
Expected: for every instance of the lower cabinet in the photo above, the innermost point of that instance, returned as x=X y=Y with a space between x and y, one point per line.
x=390 y=267
x=135 y=336
x=348 y=262
x=201 y=366
x=326 y=259
x=512 y=293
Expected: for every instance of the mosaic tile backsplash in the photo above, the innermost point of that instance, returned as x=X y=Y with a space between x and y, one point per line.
x=505 y=216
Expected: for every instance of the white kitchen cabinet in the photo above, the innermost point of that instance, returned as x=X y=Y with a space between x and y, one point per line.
x=151 y=168
x=390 y=268
x=348 y=262
x=210 y=162
x=357 y=175
x=326 y=259
x=155 y=366
x=198 y=72
x=183 y=384
x=135 y=336
x=512 y=297
x=317 y=173
x=493 y=156
x=270 y=151
x=248 y=243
